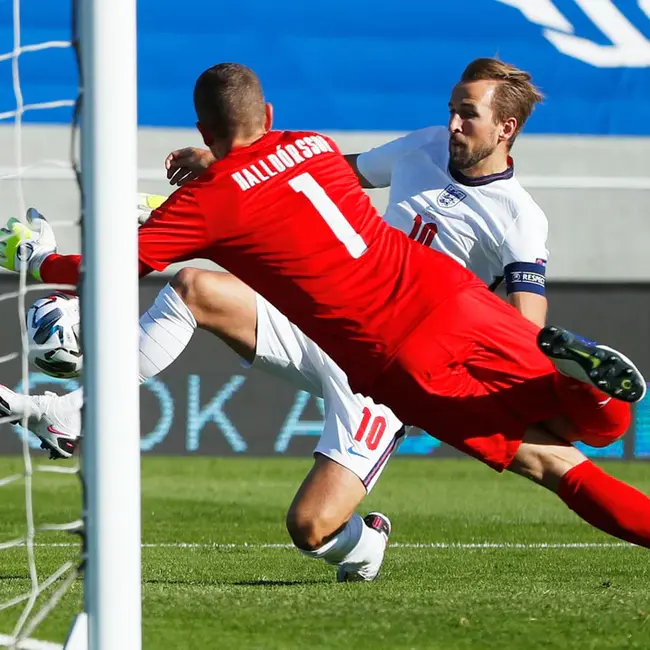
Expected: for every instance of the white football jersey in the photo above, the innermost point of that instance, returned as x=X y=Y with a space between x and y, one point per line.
x=491 y=225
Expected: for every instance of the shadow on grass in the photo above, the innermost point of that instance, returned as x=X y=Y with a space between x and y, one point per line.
x=261 y=582
x=278 y=583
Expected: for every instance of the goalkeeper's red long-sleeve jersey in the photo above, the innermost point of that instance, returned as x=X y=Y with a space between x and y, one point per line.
x=288 y=217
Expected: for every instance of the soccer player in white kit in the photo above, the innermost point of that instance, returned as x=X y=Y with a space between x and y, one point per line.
x=453 y=189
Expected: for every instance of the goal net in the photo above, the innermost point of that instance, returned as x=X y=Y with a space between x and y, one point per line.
x=47 y=573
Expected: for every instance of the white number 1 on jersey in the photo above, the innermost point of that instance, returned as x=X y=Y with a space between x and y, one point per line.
x=334 y=218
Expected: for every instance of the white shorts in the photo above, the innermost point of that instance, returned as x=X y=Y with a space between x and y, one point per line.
x=357 y=433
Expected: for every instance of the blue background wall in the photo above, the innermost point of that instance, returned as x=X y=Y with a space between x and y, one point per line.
x=344 y=64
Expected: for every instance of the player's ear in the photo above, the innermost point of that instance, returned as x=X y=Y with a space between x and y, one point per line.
x=509 y=128
x=207 y=136
x=268 y=117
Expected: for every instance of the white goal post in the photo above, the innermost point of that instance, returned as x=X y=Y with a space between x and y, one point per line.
x=104 y=37
x=109 y=299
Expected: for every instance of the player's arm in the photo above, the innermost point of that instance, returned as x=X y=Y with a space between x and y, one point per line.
x=175 y=232
x=64 y=269
x=524 y=256
x=374 y=168
x=351 y=159
x=533 y=306
x=187 y=164
x=61 y=269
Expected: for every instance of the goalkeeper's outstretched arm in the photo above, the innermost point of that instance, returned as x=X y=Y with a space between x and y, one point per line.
x=175 y=232
x=33 y=244
x=61 y=269
x=65 y=269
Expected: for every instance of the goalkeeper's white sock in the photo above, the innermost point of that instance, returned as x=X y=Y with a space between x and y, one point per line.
x=165 y=330
x=357 y=547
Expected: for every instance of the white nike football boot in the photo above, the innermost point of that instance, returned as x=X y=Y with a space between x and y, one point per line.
x=380 y=523
x=592 y=363
x=59 y=429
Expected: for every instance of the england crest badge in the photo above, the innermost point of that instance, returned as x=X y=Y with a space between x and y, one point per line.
x=450 y=196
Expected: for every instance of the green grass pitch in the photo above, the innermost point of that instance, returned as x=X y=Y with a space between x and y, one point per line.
x=248 y=595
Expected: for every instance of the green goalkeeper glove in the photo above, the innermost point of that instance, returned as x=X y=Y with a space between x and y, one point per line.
x=26 y=244
x=147 y=203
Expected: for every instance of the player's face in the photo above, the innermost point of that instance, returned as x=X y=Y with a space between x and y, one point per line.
x=473 y=133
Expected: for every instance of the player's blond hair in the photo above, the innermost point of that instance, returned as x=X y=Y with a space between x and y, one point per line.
x=515 y=94
x=229 y=100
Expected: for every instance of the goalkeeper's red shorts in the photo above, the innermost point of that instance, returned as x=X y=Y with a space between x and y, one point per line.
x=472 y=376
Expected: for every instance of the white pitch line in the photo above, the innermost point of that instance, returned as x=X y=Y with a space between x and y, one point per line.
x=398 y=545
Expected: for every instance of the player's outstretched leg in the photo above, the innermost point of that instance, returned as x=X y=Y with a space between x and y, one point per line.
x=213 y=301
x=323 y=524
x=165 y=330
x=595 y=384
x=604 y=368
x=56 y=421
x=597 y=497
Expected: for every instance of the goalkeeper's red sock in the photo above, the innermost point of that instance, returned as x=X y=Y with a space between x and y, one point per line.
x=607 y=503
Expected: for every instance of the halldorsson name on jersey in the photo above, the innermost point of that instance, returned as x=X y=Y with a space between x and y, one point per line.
x=284 y=158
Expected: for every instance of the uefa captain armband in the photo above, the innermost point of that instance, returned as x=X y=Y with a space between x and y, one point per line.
x=526 y=276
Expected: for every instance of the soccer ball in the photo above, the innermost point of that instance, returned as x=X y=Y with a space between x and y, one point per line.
x=53 y=333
